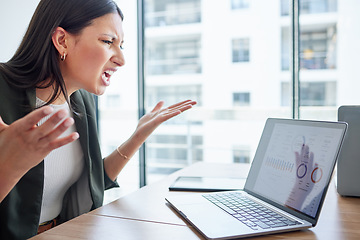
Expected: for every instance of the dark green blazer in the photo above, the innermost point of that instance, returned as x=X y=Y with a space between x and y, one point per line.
x=20 y=210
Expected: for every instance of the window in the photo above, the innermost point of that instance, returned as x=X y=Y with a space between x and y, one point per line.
x=310 y=6
x=189 y=55
x=240 y=50
x=241 y=99
x=239 y=4
x=195 y=60
x=173 y=56
x=169 y=153
x=159 y=13
x=317 y=6
x=285 y=7
x=113 y=100
x=241 y=155
x=173 y=93
x=317 y=93
x=318 y=49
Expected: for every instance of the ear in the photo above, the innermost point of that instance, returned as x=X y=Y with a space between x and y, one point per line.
x=59 y=39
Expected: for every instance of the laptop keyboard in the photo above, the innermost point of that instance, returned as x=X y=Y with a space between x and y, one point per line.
x=249 y=212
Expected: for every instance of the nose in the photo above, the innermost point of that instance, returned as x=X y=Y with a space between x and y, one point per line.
x=119 y=58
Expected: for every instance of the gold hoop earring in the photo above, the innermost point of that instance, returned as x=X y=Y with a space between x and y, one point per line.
x=63 y=57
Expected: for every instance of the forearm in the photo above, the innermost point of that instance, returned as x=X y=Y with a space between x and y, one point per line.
x=115 y=162
x=8 y=180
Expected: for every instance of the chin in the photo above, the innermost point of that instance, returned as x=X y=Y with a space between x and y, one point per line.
x=97 y=91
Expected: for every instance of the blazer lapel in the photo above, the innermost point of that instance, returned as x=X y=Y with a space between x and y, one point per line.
x=81 y=124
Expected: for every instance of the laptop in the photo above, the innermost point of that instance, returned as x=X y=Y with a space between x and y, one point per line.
x=284 y=190
x=348 y=165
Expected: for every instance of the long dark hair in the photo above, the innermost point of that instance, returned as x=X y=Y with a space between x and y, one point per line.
x=37 y=60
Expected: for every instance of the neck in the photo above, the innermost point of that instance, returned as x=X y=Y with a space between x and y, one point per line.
x=46 y=93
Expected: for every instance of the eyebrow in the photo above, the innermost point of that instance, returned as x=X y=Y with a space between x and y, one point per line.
x=109 y=35
x=113 y=37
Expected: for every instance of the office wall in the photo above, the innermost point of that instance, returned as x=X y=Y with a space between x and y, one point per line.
x=15 y=16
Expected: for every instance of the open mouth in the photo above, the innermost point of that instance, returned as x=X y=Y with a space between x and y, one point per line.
x=106 y=77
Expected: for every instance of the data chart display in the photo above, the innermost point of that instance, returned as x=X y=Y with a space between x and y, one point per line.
x=296 y=165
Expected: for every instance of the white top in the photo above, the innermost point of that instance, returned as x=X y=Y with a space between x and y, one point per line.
x=63 y=167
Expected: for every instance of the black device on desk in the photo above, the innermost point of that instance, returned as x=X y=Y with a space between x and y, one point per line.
x=348 y=166
x=207 y=184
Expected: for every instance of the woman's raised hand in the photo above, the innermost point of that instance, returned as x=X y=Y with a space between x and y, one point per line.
x=147 y=124
x=24 y=145
x=150 y=121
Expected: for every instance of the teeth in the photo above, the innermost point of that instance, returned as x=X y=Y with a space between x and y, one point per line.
x=103 y=76
x=109 y=72
x=106 y=76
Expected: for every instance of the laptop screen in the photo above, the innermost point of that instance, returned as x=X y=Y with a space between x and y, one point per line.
x=294 y=163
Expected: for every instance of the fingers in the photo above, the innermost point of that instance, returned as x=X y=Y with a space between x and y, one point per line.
x=305 y=153
x=63 y=141
x=183 y=104
x=158 y=106
x=49 y=125
x=174 y=109
x=179 y=103
x=56 y=132
x=159 y=114
x=311 y=158
x=30 y=120
x=185 y=107
x=48 y=133
x=304 y=156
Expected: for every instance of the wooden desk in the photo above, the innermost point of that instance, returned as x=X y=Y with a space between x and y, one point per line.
x=144 y=214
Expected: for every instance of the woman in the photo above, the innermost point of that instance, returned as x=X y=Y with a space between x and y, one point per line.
x=51 y=169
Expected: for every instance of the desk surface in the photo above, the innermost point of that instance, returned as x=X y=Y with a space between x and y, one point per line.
x=144 y=214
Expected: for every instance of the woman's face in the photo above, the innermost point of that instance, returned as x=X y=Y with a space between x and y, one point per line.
x=94 y=55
